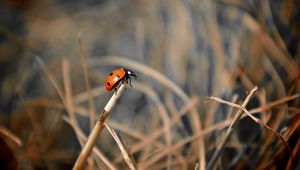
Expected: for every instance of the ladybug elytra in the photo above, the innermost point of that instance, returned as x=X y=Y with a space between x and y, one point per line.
x=118 y=76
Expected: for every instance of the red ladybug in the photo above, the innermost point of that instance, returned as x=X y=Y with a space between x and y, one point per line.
x=119 y=75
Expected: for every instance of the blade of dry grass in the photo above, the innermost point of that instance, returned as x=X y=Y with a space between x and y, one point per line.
x=11 y=136
x=131 y=132
x=215 y=39
x=162 y=112
x=295 y=150
x=273 y=104
x=271 y=48
x=154 y=135
x=174 y=165
x=91 y=100
x=87 y=84
x=181 y=143
x=69 y=104
x=128 y=159
x=84 y=96
x=51 y=78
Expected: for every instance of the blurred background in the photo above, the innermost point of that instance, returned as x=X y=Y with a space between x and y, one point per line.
x=182 y=52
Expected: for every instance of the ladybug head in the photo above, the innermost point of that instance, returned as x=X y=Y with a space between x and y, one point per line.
x=130 y=73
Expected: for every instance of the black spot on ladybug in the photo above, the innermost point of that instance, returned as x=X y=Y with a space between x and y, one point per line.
x=108 y=84
x=111 y=74
x=118 y=76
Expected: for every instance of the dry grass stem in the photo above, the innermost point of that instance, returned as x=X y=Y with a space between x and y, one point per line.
x=11 y=136
x=273 y=104
x=84 y=96
x=181 y=143
x=237 y=117
x=69 y=104
x=242 y=107
x=87 y=84
x=86 y=151
x=128 y=159
x=51 y=78
x=271 y=48
x=82 y=139
x=158 y=132
x=162 y=112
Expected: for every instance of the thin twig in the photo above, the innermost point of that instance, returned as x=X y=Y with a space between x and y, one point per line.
x=237 y=117
x=86 y=151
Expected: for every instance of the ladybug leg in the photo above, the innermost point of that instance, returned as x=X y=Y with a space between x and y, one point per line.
x=130 y=82
x=127 y=80
x=124 y=81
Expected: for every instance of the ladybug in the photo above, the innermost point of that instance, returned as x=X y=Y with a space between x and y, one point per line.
x=118 y=76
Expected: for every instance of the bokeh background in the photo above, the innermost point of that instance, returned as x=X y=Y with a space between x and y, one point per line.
x=182 y=52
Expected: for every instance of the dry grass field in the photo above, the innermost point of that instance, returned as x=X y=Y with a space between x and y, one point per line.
x=196 y=61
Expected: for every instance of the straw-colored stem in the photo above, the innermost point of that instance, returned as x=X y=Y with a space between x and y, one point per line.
x=229 y=131
x=125 y=153
x=87 y=83
x=86 y=151
x=10 y=135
